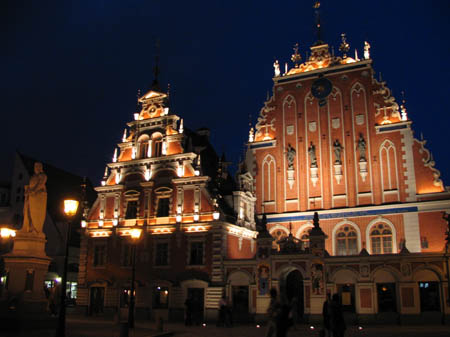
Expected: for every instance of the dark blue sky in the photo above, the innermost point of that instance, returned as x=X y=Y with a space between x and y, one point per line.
x=70 y=69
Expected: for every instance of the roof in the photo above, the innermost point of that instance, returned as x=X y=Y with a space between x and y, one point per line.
x=60 y=185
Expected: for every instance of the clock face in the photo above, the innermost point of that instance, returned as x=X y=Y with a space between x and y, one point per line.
x=321 y=88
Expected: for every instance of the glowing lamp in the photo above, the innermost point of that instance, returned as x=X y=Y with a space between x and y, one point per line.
x=70 y=207
x=312 y=327
x=7 y=233
x=115 y=222
x=360 y=328
x=197 y=172
x=83 y=223
x=196 y=217
x=204 y=324
x=216 y=215
x=178 y=218
x=136 y=116
x=101 y=223
x=258 y=326
x=103 y=182
x=58 y=279
x=135 y=233
x=166 y=111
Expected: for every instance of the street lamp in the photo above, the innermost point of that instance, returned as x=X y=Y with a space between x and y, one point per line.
x=70 y=209
x=135 y=235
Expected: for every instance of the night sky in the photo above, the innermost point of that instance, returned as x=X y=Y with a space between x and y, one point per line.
x=70 y=70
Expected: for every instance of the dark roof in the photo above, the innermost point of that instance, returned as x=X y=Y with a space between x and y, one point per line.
x=60 y=185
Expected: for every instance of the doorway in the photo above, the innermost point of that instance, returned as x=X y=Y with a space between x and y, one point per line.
x=294 y=292
x=196 y=296
x=97 y=300
x=240 y=304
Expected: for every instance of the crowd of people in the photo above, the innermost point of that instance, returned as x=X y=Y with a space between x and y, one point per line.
x=282 y=315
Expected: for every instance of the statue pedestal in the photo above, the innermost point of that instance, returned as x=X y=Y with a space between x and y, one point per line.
x=291 y=178
x=363 y=169
x=24 y=300
x=338 y=172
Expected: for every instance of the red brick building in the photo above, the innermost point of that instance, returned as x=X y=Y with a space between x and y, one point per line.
x=331 y=139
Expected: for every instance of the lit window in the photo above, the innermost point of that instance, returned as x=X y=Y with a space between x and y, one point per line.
x=346 y=241
x=163 y=207
x=381 y=239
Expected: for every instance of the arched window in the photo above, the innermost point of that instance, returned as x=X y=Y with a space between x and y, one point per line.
x=388 y=163
x=381 y=239
x=346 y=241
x=157 y=144
x=268 y=178
x=143 y=146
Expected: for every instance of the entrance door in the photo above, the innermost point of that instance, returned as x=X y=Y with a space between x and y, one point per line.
x=294 y=292
x=97 y=300
x=429 y=296
x=347 y=296
x=387 y=299
x=240 y=304
x=196 y=295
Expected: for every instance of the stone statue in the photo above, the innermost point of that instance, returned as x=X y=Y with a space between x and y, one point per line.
x=362 y=148
x=35 y=205
x=366 y=50
x=337 y=148
x=290 y=154
x=276 y=68
x=312 y=155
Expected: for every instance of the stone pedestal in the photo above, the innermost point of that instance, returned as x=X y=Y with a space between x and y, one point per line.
x=338 y=172
x=363 y=169
x=291 y=178
x=314 y=170
x=24 y=300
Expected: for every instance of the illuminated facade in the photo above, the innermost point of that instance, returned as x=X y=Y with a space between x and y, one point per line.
x=168 y=182
x=332 y=139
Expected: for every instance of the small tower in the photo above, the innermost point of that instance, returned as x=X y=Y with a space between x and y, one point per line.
x=317 y=238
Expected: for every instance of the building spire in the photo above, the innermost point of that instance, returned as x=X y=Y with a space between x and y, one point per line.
x=318 y=24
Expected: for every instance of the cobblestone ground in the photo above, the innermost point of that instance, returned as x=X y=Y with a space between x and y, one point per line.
x=90 y=327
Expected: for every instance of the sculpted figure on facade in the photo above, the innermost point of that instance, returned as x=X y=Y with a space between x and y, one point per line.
x=312 y=155
x=35 y=205
x=276 y=68
x=290 y=155
x=337 y=148
x=366 y=50
x=361 y=148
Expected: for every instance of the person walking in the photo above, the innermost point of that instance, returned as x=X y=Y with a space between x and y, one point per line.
x=337 y=318
x=326 y=311
x=222 y=311
x=272 y=313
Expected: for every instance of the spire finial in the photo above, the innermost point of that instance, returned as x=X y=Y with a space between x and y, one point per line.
x=344 y=47
x=404 y=115
x=318 y=25
x=296 y=57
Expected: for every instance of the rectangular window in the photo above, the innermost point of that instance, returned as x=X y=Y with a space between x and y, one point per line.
x=99 y=255
x=160 y=297
x=163 y=207
x=162 y=254
x=352 y=247
x=196 y=254
x=387 y=244
x=131 y=212
x=126 y=257
x=341 y=247
x=376 y=245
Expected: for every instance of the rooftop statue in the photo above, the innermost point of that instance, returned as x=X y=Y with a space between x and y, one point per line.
x=35 y=205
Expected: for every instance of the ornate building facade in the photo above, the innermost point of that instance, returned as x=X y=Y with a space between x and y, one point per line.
x=332 y=139
x=349 y=202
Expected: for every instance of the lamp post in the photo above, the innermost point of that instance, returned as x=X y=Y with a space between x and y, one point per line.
x=135 y=235
x=70 y=209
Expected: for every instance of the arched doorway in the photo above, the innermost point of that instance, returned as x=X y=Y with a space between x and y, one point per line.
x=293 y=290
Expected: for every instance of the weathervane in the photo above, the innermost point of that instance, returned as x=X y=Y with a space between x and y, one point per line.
x=316 y=6
x=296 y=57
x=344 y=47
